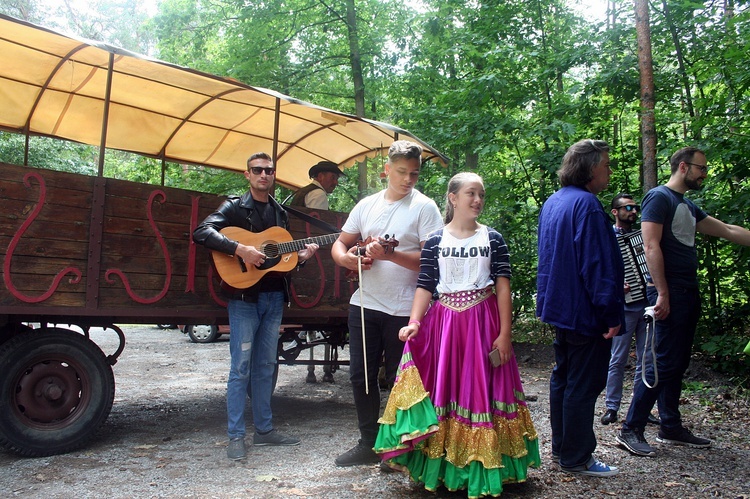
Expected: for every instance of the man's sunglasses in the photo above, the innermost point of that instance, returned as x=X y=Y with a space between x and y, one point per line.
x=630 y=207
x=257 y=170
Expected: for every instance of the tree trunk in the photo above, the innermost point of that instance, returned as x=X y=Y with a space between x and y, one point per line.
x=472 y=160
x=355 y=59
x=646 y=70
x=359 y=82
x=680 y=59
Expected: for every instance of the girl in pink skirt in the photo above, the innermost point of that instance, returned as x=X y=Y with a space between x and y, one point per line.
x=453 y=417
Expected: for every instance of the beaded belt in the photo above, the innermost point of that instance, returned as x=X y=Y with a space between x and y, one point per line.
x=464 y=300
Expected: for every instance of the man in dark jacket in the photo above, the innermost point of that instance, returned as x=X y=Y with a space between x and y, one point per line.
x=580 y=293
x=254 y=313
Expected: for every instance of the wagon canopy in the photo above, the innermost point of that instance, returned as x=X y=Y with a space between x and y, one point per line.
x=60 y=86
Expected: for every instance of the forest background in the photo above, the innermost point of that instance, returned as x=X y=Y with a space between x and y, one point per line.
x=501 y=87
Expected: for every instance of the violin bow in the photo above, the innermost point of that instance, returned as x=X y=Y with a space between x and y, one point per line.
x=362 y=318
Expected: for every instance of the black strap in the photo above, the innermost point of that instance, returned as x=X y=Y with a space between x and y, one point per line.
x=321 y=224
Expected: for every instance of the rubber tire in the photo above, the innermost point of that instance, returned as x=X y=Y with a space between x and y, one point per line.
x=33 y=359
x=202 y=333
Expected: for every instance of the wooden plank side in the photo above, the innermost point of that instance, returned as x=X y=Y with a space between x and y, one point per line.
x=42 y=243
x=147 y=259
x=145 y=231
x=320 y=285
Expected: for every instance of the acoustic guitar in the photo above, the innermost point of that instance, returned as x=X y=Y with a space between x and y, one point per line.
x=276 y=243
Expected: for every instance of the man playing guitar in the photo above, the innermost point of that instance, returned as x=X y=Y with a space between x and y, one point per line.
x=254 y=312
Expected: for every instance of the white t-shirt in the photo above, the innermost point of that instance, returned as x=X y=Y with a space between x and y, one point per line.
x=388 y=287
x=464 y=263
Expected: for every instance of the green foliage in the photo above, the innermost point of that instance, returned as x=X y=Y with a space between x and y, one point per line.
x=694 y=387
x=528 y=329
x=49 y=153
x=70 y=157
x=725 y=354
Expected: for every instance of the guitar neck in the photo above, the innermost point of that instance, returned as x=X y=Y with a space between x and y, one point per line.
x=298 y=244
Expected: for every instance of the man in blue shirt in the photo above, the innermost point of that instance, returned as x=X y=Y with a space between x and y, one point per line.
x=669 y=223
x=579 y=292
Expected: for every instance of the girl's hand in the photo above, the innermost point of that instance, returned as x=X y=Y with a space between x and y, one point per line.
x=408 y=332
x=504 y=347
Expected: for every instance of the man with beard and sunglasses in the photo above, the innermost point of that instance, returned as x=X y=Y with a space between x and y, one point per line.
x=669 y=222
x=625 y=210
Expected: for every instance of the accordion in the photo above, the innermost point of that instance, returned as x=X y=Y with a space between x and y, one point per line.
x=634 y=259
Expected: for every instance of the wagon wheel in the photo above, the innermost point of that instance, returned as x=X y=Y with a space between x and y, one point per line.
x=290 y=345
x=202 y=333
x=58 y=389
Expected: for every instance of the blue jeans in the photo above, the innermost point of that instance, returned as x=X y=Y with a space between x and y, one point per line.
x=634 y=325
x=579 y=376
x=381 y=335
x=674 y=342
x=253 y=343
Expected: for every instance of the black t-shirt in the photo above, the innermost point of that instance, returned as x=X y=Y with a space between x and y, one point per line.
x=678 y=216
x=267 y=214
x=270 y=281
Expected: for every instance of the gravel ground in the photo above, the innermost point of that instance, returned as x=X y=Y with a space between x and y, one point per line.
x=166 y=437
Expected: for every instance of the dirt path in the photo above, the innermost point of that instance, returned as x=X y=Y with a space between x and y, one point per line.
x=166 y=438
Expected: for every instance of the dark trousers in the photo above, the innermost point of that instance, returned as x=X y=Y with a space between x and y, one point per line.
x=579 y=376
x=381 y=332
x=674 y=342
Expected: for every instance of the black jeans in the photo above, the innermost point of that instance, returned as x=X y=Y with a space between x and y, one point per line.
x=674 y=342
x=381 y=332
x=579 y=376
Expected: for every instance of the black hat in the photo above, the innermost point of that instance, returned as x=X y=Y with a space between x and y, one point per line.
x=324 y=166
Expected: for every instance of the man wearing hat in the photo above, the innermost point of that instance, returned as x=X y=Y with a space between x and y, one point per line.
x=325 y=178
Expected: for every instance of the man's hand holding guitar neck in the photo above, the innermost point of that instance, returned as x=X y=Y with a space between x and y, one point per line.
x=305 y=254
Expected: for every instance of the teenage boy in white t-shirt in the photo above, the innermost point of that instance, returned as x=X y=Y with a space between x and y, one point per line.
x=388 y=283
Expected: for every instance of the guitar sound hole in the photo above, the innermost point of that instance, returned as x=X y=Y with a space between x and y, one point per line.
x=271 y=250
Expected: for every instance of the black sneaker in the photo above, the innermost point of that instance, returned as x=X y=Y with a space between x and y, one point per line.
x=654 y=420
x=609 y=417
x=634 y=441
x=274 y=438
x=683 y=437
x=386 y=468
x=359 y=454
x=236 y=449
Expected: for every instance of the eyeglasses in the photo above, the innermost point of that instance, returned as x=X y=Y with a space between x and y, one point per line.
x=257 y=170
x=702 y=168
x=630 y=207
